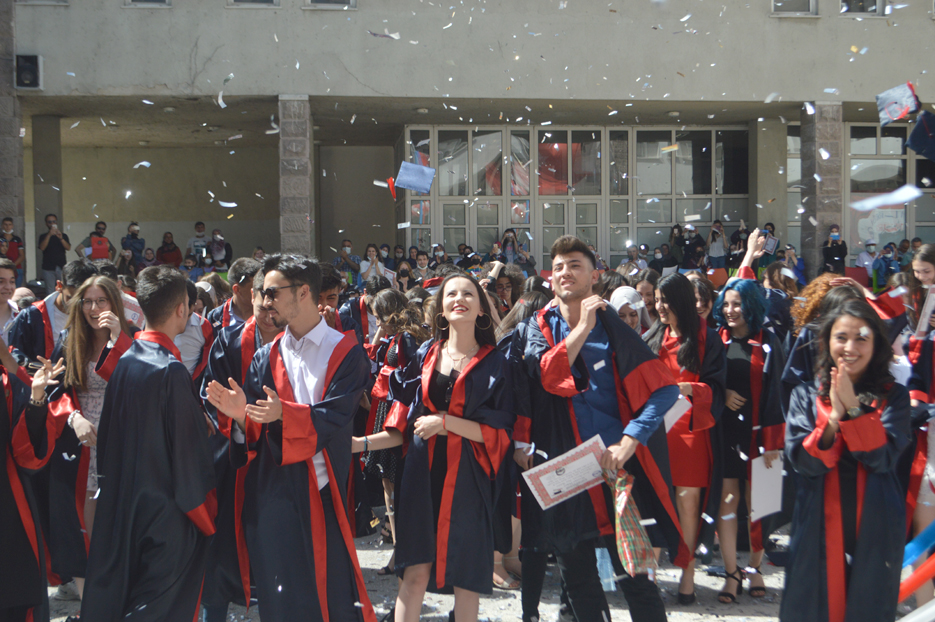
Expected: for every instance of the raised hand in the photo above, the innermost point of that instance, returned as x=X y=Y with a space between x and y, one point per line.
x=266 y=411
x=232 y=402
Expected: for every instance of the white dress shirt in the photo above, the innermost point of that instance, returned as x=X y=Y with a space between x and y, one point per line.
x=191 y=343
x=306 y=363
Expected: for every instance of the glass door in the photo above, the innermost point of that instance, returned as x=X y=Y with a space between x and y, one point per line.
x=553 y=227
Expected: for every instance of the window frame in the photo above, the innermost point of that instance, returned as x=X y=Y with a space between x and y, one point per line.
x=812 y=10
x=311 y=5
x=253 y=4
x=881 y=11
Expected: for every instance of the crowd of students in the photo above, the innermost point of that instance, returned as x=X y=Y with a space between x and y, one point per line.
x=229 y=438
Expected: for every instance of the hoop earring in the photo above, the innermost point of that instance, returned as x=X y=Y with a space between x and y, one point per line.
x=489 y=323
x=438 y=323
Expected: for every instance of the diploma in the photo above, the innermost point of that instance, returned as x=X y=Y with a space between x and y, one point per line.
x=567 y=475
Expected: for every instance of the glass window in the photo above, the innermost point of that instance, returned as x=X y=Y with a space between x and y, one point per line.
x=588 y=234
x=925 y=208
x=619 y=154
x=520 y=158
x=487 y=214
x=653 y=165
x=877 y=175
x=586 y=214
x=619 y=236
x=656 y=211
x=732 y=165
x=619 y=210
x=732 y=210
x=452 y=163
x=586 y=162
x=893 y=140
x=421 y=213
x=519 y=213
x=486 y=238
x=794 y=233
x=926 y=233
x=793 y=6
x=419 y=147
x=488 y=162
x=337 y=4
x=454 y=236
x=793 y=205
x=794 y=139
x=423 y=239
x=925 y=173
x=553 y=227
x=553 y=163
x=862 y=6
x=863 y=140
x=454 y=214
x=652 y=237
x=693 y=210
x=693 y=162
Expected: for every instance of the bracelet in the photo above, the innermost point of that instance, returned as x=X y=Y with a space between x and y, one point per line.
x=39 y=403
x=71 y=419
x=366 y=443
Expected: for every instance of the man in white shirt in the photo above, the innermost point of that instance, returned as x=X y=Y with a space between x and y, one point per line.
x=198 y=242
x=867 y=257
x=290 y=428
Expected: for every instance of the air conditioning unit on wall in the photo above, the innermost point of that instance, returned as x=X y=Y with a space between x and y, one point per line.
x=29 y=72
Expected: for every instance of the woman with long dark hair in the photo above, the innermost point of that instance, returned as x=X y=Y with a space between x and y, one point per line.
x=695 y=356
x=752 y=422
x=95 y=336
x=457 y=430
x=844 y=435
x=398 y=336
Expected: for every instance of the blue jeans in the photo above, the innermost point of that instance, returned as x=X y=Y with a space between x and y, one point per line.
x=717 y=262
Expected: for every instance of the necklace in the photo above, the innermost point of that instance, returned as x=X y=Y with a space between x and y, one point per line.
x=457 y=361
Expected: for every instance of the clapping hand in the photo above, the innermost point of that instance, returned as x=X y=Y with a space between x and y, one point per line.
x=232 y=402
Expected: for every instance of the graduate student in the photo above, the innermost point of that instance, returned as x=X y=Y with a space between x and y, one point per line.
x=458 y=427
x=356 y=314
x=290 y=431
x=231 y=355
x=95 y=337
x=25 y=443
x=844 y=435
x=157 y=499
x=695 y=355
x=239 y=307
x=591 y=374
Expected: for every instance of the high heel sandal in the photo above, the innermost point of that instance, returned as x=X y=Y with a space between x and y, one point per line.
x=737 y=576
x=756 y=591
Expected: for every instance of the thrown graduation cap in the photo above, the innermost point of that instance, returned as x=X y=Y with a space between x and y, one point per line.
x=415 y=177
x=897 y=103
x=922 y=138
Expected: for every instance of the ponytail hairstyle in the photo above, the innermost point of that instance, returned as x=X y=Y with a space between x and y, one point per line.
x=679 y=295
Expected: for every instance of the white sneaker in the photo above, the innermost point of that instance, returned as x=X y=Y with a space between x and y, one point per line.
x=67 y=591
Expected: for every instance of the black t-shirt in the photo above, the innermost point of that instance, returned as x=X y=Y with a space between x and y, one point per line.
x=54 y=254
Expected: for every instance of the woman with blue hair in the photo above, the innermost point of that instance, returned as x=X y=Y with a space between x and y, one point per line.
x=752 y=421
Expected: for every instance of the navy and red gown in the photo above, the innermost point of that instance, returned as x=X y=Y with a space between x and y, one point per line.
x=353 y=316
x=157 y=499
x=445 y=507
x=279 y=513
x=695 y=449
x=25 y=433
x=221 y=317
x=554 y=429
x=230 y=357
x=848 y=526
x=68 y=467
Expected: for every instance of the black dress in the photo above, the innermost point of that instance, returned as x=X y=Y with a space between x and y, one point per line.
x=383 y=463
x=737 y=426
x=440 y=394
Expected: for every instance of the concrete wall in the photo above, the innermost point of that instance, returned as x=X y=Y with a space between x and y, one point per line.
x=170 y=195
x=351 y=206
x=521 y=49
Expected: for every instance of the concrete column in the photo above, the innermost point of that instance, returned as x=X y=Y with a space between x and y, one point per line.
x=768 y=176
x=47 y=174
x=823 y=178
x=12 y=194
x=296 y=191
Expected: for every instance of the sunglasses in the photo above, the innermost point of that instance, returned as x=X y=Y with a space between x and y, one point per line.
x=271 y=292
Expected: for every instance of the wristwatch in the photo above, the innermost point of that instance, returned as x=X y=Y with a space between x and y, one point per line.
x=853 y=413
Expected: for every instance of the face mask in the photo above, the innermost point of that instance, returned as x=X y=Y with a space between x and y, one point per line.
x=200 y=235
x=658 y=255
x=887 y=255
x=404 y=273
x=8 y=231
x=835 y=236
x=208 y=261
x=439 y=254
x=347 y=249
x=384 y=254
x=871 y=248
x=399 y=255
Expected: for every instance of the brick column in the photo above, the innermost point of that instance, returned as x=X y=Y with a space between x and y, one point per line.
x=12 y=195
x=296 y=192
x=822 y=154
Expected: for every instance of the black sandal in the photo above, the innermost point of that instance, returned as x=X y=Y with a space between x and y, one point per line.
x=386 y=570
x=737 y=576
x=756 y=591
x=387 y=534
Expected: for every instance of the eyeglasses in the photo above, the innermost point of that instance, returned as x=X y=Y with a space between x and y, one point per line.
x=504 y=287
x=271 y=292
x=88 y=303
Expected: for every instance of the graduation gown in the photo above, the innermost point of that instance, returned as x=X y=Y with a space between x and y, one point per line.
x=24 y=444
x=230 y=357
x=850 y=488
x=279 y=513
x=31 y=334
x=68 y=467
x=220 y=317
x=697 y=431
x=157 y=499
x=353 y=316
x=554 y=430
x=461 y=552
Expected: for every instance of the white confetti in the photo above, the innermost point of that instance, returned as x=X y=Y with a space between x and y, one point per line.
x=809 y=108
x=143 y=163
x=382 y=184
x=730 y=516
x=646 y=522
x=787 y=273
x=729 y=498
x=599 y=365
x=707 y=518
x=447 y=27
x=67 y=457
x=832 y=91
x=296 y=63
x=902 y=195
x=899 y=291
x=70 y=73
x=129 y=192
x=771 y=98
x=227 y=204
x=812 y=220
x=692 y=217
x=824 y=153
x=864 y=331
x=221 y=100
x=228 y=79
x=75 y=124
x=353 y=118
x=686 y=18
x=766 y=347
